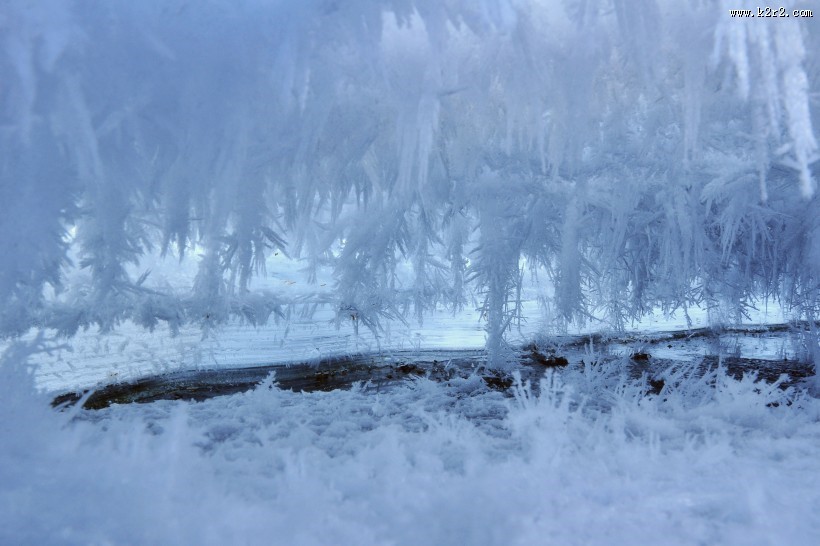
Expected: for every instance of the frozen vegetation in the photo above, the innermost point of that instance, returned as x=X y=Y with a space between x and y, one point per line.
x=236 y=182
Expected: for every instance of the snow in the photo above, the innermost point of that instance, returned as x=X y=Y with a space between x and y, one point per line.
x=591 y=460
x=233 y=183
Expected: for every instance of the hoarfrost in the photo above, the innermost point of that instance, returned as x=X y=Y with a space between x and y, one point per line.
x=641 y=155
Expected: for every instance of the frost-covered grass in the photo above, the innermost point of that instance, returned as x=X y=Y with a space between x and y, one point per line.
x=591 y=459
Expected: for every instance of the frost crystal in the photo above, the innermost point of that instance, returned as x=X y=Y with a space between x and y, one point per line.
x=640 y=154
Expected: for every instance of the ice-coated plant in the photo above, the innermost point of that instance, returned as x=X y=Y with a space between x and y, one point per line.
x=644 y=154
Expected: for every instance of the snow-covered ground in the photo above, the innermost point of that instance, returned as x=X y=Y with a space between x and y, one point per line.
x=592 y=460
